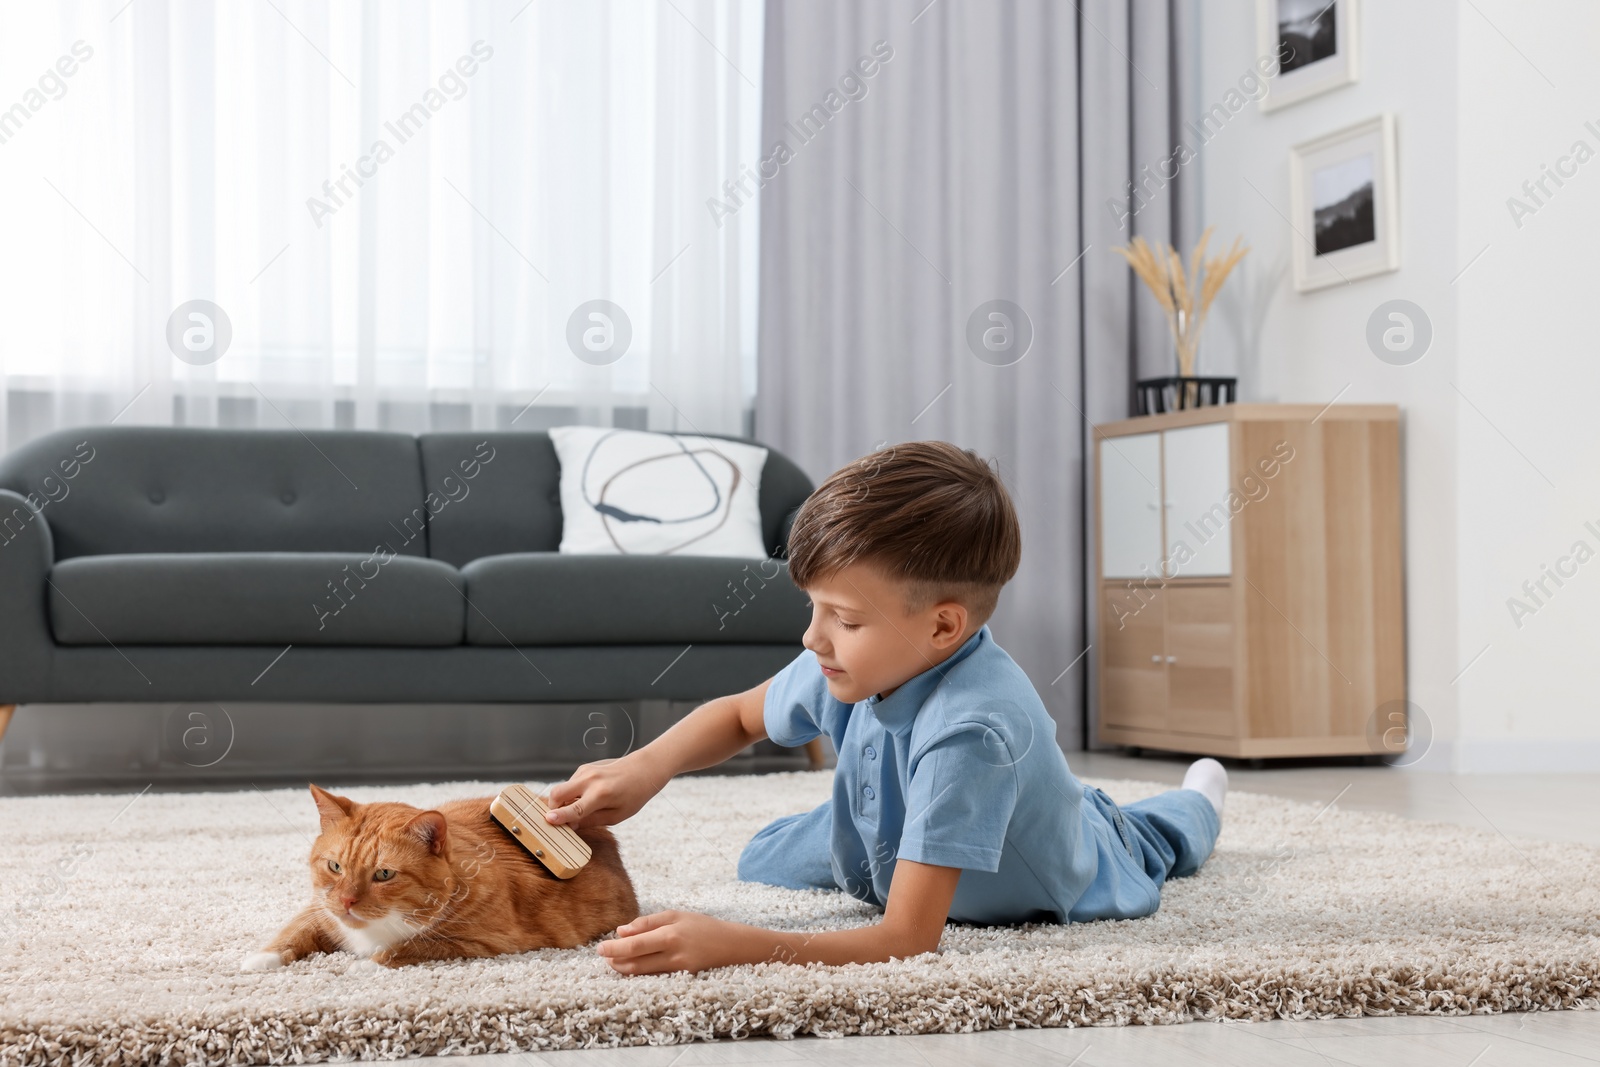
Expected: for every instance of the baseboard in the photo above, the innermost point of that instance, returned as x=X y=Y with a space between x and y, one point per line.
x=1526 y=756
x=1439 y=758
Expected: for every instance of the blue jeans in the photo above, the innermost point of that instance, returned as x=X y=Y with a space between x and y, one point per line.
x=1137 y=847
x=792 y=852
x=1140 y=846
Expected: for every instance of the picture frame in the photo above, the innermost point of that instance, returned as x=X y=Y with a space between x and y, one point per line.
x=1317 y=43
x=1344 y=204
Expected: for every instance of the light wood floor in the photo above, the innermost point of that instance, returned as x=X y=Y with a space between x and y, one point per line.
x=1549 y=806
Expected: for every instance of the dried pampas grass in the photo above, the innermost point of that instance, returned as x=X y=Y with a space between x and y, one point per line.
x=1185 y=296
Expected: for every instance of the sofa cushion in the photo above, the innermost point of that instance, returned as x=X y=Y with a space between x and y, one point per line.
x=502 y=494
x=543 y=598
x=512 y=501
x=637 y=493
x=116 y=489
x=242 y=598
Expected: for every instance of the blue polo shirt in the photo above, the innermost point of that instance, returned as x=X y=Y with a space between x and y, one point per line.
x=958 y=767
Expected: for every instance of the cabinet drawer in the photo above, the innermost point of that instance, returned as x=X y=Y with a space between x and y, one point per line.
x=1199 y=625
x=1200 y=701
x=1200 y=650
x=1132 y=627
x=1133 y=683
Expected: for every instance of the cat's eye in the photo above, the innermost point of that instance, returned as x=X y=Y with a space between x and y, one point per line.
x=382 y=874
x=333 y=865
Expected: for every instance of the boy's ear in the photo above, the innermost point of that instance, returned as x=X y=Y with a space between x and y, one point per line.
x=949 y=623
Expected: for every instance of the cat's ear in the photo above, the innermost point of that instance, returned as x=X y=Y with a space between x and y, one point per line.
x=429 y=828
x=332 y=809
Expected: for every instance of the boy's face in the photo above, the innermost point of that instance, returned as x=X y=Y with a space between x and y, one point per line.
x=867 y=642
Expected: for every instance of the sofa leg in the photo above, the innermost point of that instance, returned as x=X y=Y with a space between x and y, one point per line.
x=5 y=717
x=815 y=756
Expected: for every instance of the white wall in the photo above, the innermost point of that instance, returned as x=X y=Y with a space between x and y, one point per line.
x=1500 y=453
x=1529 y=464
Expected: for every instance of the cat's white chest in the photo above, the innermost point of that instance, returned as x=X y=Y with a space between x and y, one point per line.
x=376 y=936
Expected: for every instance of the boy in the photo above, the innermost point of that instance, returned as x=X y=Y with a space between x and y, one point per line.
x=951 y=799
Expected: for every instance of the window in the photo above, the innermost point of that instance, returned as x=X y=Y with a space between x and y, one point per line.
x=400 y=209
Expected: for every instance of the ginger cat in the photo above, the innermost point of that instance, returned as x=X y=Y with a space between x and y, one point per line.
x=400 y=885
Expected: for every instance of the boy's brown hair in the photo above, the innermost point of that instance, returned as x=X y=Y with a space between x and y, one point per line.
x=927 y=513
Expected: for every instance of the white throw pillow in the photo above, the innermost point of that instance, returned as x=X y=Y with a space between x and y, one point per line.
x=654 y=494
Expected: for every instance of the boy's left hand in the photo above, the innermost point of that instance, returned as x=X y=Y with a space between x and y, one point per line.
x=919 y=901
x=674 y=941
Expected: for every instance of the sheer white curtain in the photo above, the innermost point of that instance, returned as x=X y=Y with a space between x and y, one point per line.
x=398 y=206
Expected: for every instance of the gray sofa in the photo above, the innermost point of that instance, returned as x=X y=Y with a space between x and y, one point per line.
x=153 y=564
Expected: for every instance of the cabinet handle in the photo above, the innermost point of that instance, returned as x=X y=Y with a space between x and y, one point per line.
x=1172 y=659
x=1154 y=504
x=1155 y=659
x=1166 y=503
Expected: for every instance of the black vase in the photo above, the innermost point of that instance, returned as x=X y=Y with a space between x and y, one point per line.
x=1157 y=395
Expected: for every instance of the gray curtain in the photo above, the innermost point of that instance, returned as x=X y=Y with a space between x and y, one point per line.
x=976 y=163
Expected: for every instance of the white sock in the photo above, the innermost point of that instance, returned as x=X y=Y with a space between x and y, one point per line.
x=1208 y=778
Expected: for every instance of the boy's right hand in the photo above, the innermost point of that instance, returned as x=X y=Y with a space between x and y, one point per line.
x=603 y=793
x=607 y=792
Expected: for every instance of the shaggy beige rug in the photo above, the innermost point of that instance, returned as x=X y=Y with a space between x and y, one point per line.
x=121 y=945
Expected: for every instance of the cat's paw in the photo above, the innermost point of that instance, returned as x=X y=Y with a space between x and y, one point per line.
x=261 y=961
x=363 y=965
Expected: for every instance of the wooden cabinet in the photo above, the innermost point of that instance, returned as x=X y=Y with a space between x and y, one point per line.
x=1249 y=579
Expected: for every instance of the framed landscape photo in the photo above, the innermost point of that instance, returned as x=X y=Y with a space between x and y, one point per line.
x=1315 y=43
x=1343 y=196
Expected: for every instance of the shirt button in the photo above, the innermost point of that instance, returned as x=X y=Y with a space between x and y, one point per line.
x=867 y=792
x=872 y=753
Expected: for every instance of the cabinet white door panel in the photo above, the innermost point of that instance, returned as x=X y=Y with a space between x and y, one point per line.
x=1196 y=460
x=1130 y=506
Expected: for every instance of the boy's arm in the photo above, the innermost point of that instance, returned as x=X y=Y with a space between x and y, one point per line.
x=913 y=921
x=604 y=793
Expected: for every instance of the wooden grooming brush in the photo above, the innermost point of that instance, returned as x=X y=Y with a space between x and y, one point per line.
x=521 y=811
